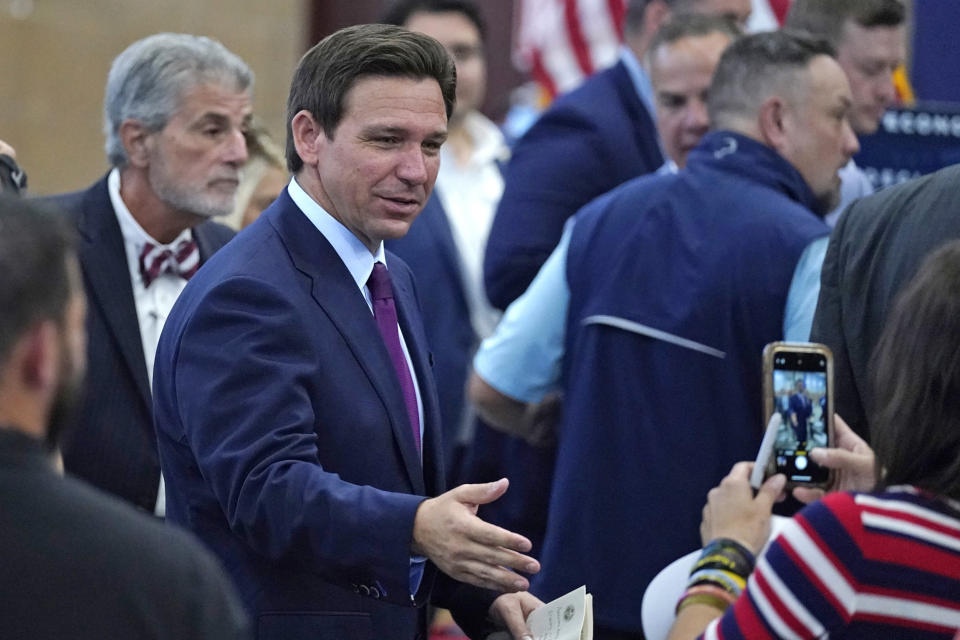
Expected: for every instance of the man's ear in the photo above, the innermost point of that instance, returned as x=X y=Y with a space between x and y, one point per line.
x=40 y=356
x=772 y=123
x=136 y=142
x=309 y=137
x=655 y=14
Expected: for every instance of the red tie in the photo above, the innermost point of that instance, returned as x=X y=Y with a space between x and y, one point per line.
x=385 y=313
x=183 y=260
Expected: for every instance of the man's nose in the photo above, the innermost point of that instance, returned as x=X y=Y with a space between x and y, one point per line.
x=412 y=168
x=851 y=146
x=235 y=151
x=696 y=116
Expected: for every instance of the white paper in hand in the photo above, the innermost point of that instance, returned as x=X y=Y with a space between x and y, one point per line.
x=569 y=617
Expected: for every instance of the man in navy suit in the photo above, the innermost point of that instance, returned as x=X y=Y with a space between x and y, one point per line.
x=175 y=111
x=588 y=142
x=295 y=404
x=800 y=410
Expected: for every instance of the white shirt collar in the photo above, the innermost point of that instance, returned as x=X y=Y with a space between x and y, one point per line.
x=354 y=254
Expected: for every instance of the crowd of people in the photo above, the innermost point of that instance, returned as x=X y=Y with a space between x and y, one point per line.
x=437 y=370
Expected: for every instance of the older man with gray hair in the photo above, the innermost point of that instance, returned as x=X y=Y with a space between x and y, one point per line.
x=175 y=112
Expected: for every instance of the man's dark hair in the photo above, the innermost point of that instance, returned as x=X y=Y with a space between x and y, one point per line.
x=400 y=11
x=692 y=25
x=35 y=284
x=757 y=66
x=328 y=71
x=916 y=369
x=827 y=18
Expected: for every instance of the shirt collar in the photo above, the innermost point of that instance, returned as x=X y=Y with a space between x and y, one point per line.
x=354 y=254
x=641 y=80
x=131 y=230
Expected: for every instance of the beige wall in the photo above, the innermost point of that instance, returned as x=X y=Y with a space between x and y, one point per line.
x=54 y=57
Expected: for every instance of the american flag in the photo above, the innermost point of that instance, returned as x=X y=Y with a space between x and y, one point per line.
x=561 y=42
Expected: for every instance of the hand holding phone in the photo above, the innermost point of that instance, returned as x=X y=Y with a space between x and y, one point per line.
x=798 y=386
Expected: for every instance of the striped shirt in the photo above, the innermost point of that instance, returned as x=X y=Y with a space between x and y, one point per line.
x=856 y=565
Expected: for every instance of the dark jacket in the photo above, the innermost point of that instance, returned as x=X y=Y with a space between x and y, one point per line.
x=78 y=563
x=676 y=284
x=876 y=249
x=112 y=444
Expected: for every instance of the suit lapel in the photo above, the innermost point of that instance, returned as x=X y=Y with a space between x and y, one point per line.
x=105 y=266
x=337 y=294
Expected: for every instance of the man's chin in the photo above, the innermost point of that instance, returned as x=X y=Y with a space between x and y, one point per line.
x=827 y=201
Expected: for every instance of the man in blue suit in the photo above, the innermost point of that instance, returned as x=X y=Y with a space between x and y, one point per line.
x=295 y=404
x=175 y=112
x=588 y=142
x=800 y=411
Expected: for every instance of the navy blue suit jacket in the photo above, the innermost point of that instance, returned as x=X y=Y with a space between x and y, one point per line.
x=585 y=144
x=112 y=444
x=285 y=441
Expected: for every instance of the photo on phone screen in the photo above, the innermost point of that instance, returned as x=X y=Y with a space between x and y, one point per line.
x=801 y=398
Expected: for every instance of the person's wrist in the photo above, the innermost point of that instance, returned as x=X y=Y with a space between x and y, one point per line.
x=719 y=575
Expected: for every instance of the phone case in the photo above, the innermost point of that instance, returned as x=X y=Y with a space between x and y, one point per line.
x=769 y=353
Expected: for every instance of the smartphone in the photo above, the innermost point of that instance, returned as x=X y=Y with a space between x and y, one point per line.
x=798 y=385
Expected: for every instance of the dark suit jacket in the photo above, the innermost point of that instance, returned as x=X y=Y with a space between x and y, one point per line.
x=284 y=438
x=585 y=144
x=80 y=564
x=113 y=445
x=875 y=249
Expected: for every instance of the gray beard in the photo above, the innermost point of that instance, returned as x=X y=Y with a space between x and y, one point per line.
x=189 y=202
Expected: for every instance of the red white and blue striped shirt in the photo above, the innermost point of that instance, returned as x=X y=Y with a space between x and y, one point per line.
x=856 y=565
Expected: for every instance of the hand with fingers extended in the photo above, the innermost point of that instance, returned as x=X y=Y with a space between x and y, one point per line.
x=732 y=511
x=852 y=461
x=448 y=531
x=511 y=610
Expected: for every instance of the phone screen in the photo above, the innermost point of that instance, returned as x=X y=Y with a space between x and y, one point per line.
x=801 y=397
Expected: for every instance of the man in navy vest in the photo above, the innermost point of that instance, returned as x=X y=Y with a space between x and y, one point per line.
x=670 y=286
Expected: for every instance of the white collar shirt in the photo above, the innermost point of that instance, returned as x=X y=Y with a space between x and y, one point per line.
x=153 y=303
x=469 y=193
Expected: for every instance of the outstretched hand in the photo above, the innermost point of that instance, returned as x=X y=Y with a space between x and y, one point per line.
x=448 y=531
x=852 y=460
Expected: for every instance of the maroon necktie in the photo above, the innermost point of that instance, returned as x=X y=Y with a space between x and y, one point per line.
x=183 y=260
x=385 y=313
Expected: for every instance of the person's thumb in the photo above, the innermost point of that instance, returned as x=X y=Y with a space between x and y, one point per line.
x=772 y=489
x=481 y=493
x=831 y=458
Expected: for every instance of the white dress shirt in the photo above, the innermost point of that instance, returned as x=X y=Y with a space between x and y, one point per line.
x=153 y=303
x=469 y=193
